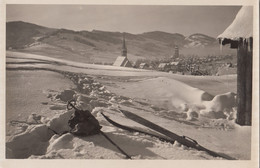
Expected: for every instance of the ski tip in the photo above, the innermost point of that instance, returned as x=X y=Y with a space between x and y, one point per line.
x=123 y=111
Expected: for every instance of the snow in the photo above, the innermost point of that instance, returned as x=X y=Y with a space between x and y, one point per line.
x=184 y=105
x=31 y=142
x=242 y=26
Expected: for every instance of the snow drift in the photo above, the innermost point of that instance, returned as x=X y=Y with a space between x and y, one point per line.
x=180 y=97
x=44 y=140
x=35 y=140
x=143 y=93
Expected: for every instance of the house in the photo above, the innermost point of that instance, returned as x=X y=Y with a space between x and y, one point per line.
x=122 y=60
x=175 y=66
x=164 y=67
x=174 y=63
x=239 y=35
x=143 y=66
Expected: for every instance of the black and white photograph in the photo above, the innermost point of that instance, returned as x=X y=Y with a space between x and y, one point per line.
x=130 y=82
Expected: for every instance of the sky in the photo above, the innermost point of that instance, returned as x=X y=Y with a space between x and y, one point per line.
x=136 y=19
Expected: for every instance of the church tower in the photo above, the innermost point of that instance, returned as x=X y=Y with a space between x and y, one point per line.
x=124 y=49
x=122 y=60
x=176 y=52
x=175 y=55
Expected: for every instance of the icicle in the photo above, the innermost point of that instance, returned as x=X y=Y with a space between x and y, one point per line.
x=245 y=44
x=249 y=45
x=221 y=47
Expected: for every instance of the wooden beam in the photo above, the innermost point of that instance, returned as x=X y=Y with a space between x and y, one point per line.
x=244 y=82
x=249 y=78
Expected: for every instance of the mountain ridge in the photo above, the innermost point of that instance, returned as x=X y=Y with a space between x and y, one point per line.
x=104 y=46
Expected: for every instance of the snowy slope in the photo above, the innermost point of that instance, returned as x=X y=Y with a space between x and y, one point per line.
x=168 y=100
x=103 y=47
x=199 y=40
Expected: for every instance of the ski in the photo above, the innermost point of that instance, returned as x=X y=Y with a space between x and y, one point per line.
x=136 y=130
x=184 y=140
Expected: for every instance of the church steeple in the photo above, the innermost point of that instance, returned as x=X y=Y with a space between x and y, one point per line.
x=176 y=51
x=122 y=60
x=124 y=49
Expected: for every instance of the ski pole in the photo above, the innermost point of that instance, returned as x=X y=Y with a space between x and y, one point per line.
x=123 y=152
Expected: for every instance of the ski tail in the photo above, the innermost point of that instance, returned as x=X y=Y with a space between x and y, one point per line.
x=163 y=139
x=184 y=140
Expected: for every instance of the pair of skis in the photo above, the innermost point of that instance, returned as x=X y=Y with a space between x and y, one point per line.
x=171 y=137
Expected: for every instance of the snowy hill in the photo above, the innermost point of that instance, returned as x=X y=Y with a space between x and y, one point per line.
x=103 y=47
x=199 y=40
x=170 y=38
x=20 y=34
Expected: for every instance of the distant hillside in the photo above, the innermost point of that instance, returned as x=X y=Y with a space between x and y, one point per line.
x=199 y=40
x=102 y=46
x=171 y=39
x=19 y=34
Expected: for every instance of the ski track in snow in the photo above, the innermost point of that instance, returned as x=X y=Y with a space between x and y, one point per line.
x=185 y=110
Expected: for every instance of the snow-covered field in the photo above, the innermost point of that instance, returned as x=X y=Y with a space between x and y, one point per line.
x=38 y=88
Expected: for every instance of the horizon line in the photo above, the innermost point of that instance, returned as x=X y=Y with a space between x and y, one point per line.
x=110 y=31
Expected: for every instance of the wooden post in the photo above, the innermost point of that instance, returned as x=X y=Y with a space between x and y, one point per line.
x=249 y=78
x=244 y=82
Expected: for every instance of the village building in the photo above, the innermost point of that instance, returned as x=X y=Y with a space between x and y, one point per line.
x=240 y=36
x=122 y=60
x=144 y=66
x=175 y=66
x=164 y=67
x=174 y=63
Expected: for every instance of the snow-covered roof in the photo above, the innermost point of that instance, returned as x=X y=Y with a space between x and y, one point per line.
x=174 y=63
x=241 y=27
x=122 y=61
x=163 y=65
